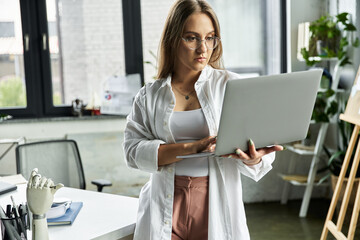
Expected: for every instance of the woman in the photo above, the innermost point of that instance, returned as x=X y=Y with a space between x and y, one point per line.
x=179 y=115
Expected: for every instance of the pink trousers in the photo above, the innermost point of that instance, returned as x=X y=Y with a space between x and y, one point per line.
x=191 y=208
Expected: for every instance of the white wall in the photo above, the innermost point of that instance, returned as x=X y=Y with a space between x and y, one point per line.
x=310 y=10
x=353 y=7
x=57 y=128
x=100 y=144
x=298 y=12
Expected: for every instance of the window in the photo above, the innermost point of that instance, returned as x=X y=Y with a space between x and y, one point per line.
x=153 y=16
x=12 y=75
x=250 y=32
x=71 y=49
x=86 y=47
x=54 y=51
x=7 y=29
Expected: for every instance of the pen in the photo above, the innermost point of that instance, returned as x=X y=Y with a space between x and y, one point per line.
x=14 y=205
x=8 y=210
x=27 y=216
x=20 y=226
x=22 y=213
x=9 y=228
x=14 y=220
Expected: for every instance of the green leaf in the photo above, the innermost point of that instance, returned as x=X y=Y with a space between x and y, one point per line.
x=333 y=108
x=356 y=42
x=323 y=179
x=342 y=17
x=341 y=54
x=329 y=93
x=306 y=55
x=330 y=24
x=329 y=52
x=350 y=27
x=153 y=54
x=334 y=158
x=330 y=34
x=345 y=61
x=343 y=42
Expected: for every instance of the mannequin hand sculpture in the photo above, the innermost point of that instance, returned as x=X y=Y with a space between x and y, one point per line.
x=40 y=196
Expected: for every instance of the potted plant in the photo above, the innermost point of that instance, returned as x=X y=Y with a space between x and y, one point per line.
x=4 y=117
x=325 y=107
x=330 y=37
x=152 y=64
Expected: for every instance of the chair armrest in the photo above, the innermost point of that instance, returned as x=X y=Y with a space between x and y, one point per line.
x=100 y=183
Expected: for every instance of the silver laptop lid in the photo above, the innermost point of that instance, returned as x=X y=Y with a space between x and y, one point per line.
x=269 y=110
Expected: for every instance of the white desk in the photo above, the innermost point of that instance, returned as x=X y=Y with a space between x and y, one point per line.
x=103 y=216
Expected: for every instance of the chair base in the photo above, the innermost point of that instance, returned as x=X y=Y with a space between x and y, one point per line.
x=101 y=183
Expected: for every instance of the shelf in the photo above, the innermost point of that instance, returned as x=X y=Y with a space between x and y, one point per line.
x=9 y=141
x=299 y=150
x=318 y=58
x=335 y=90
x=301 y=180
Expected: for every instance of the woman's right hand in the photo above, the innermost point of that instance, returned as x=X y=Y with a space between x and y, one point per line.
x=206 y=144
x=168 y=153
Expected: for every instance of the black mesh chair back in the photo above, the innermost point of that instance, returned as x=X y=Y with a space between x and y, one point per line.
x=57 y=159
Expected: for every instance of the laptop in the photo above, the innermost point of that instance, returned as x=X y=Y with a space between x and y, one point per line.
x=270 y=110
x=6 y=187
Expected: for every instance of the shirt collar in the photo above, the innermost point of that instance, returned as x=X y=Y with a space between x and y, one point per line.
x=202 y=78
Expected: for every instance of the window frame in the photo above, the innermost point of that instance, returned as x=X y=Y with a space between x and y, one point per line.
x=30 y=63
x=37 y=61
x=38 y=78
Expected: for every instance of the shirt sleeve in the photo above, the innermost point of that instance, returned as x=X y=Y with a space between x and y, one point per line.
x=140 y=146
x=256 y=172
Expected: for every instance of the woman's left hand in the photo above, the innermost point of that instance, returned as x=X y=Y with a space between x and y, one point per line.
x=253 y=156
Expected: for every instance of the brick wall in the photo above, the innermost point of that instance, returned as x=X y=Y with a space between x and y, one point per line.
x=92 y=45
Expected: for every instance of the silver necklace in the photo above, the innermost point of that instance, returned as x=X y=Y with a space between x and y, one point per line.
x=187 y=96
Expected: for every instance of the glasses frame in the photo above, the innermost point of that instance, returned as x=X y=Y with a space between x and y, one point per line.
x=199 y=42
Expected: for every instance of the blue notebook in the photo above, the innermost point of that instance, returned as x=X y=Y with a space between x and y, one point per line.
x=69 y=217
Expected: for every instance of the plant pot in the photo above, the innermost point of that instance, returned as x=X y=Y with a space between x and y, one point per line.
x=334 y=180
x=320 y=48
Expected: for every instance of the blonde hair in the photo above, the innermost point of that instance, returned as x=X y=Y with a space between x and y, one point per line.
x=173 y=29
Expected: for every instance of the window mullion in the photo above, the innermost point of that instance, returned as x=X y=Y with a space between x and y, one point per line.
x=31 y=58
x=133 y=37
x=46 y=78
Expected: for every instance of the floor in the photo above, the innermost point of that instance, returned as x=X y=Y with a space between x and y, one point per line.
x=272 y=220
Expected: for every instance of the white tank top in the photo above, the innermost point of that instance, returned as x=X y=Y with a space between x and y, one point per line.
x=189 y=126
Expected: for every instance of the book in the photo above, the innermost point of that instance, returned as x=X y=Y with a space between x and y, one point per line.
x=6 y=187
x=69 y=217
x=303 y=38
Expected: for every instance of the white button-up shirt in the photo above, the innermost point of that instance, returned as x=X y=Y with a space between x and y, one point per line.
x=147 y=128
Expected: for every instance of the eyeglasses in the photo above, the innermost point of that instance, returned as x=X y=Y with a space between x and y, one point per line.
x=194 y=43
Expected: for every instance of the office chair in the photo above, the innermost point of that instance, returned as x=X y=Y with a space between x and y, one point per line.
x=57 y=159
